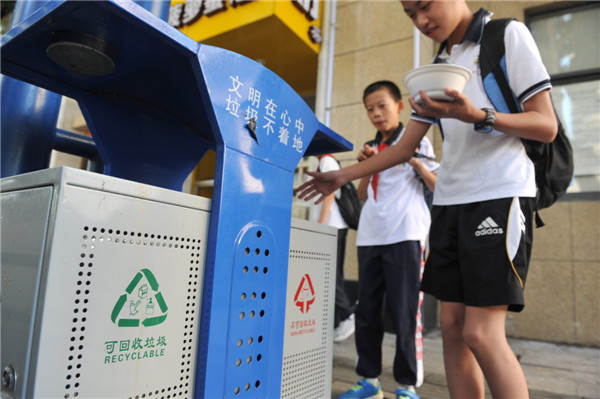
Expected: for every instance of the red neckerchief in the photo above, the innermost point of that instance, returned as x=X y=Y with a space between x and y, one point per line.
x=380 y=147
x=375 y=179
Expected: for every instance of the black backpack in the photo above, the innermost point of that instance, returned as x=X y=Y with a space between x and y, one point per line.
x=427 y=193
x=553 y=161
x=349 y=204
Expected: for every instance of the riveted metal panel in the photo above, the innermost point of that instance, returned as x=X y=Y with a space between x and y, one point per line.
x=308 y=331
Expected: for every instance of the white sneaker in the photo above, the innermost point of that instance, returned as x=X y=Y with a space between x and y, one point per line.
x=344 y=330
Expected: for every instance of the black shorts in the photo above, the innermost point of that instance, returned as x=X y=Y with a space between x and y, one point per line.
x=478 y=254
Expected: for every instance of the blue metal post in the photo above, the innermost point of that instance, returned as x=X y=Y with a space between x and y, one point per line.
x=28 y=116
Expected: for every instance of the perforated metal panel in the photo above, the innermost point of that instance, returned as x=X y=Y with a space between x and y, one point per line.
x=308 y=340
x=137 y=309
x=251 y=296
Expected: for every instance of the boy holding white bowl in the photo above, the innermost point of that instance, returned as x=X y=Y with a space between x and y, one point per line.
x=481 y=232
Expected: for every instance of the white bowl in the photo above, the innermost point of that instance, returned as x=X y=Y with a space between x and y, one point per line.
x=434 y=79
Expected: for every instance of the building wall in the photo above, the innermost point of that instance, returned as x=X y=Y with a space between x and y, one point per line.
x=374 y=41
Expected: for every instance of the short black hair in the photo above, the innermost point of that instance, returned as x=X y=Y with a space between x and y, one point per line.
x=383 y=84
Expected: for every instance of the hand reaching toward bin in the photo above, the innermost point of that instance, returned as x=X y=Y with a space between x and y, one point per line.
x=321 y=183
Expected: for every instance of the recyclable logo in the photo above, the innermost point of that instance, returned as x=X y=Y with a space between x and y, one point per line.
x=141 y=303
x=305 y=294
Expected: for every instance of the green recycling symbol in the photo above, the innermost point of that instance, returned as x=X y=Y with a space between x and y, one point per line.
x=139 y=302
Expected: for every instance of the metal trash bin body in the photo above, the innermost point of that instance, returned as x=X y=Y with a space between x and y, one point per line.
x=155 y=101
x=102 y=282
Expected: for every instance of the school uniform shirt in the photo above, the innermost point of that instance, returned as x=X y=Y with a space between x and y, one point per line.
x=395 y=209
x=478 y=166
x=327 y=164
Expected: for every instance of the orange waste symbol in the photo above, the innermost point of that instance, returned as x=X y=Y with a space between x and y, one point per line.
x=305 y=295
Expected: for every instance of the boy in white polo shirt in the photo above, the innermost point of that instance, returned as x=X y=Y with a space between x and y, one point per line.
x=481 y=232
x=393 y=226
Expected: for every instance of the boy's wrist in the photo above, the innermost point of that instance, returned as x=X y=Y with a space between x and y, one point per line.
x=344 y=175
x=353 y=172
x=488 y=123
x=479 y=116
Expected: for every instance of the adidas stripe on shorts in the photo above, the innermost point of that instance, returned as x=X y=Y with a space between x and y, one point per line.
x=478 y=254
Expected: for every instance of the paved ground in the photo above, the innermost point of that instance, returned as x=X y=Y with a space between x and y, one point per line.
x=552 y=371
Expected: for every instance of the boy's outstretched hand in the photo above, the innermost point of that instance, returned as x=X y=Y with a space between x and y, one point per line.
x=321 y=183
x=461 y=108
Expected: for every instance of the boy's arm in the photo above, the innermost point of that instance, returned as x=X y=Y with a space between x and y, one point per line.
x=363 y=185
x=327 y=183
x=428 y=176
x=363 y=188
x=326 y=208
x=536 y=122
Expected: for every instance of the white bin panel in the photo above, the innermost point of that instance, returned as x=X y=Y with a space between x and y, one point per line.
x=308 y=340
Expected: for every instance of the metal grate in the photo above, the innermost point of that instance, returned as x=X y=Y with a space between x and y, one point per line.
x=304 y=373
x=93 y=241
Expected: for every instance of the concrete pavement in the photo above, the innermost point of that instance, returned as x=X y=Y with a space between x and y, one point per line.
x=552 y=370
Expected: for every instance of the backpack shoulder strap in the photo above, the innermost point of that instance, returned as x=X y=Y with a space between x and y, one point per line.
x=492 y=63
x=436 y=60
